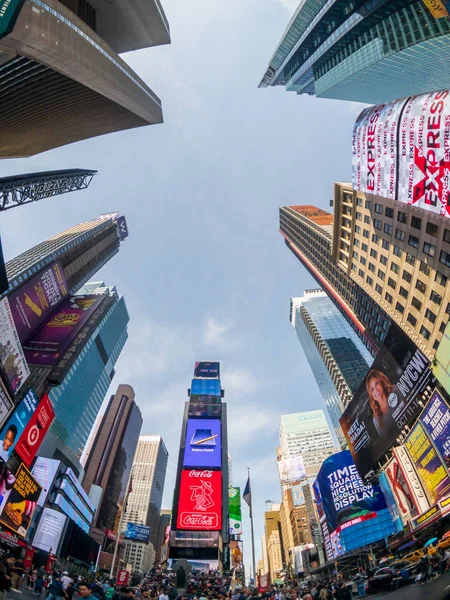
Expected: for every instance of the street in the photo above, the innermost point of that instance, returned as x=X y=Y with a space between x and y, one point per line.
x=437 y=589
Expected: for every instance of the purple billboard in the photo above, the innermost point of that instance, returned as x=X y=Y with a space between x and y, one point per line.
x=436 y=421
x=53 y=337
x=203 y=443
x=35 y=300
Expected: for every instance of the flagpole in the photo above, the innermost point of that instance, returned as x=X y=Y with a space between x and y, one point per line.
x=252 y=530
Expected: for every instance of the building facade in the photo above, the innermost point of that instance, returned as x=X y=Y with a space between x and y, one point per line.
x=274 y=541
x=337 y=357
x=140 y=556
x=364 y=50
x=147 y=488
x=90 y=376
x=164 y=522
x=62 y=76
x=306 y=434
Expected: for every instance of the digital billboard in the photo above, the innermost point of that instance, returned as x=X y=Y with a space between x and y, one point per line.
x=19 y=504
x=400 y=490
x=236 y=548
x=16 y=424
x=36 y=299
x=400 y=151
x=436 y=422
x=441 y=362
x=194 y=539
x=200 y=504
x=390 y=501
x=197 y=409
x=138 y=533
x=203 y=443
x=345 y=496
x=11 y=354
x=206 y=387
x=52 y=338
x=35 y=430
x=207 y=370
x=387 y=400
x=234 y=510
x=44 y=471
x=49 y=530
x=291 y=469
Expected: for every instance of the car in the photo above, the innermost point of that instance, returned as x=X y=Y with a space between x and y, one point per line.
x=415 y=556
x=444 y=542
x=381 y=580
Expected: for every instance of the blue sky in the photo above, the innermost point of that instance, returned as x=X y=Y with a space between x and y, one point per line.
x=205 y=272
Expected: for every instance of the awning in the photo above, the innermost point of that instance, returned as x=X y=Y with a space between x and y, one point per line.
x=407 y=544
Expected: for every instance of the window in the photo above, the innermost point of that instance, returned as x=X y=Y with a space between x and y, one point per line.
x=368 y=204
x=416 y=303
x=353 y=267
x=424 y=268
x=424 y=331
x=375 y=238
x=410 y=259
x=430 y=316
x=436 y=298
x=421 y=286
x=416 y=222
x=378 y=289
x=447 y=235
x=381 y=274
x=429 y=249
x=391 y=283
x=362 y=260
x=403 y=292
x=377 y=223
x=399 y=234
x=385 y=245
x=364 y=248
x=397 y=251
x=412 y=319
x=395 y=267
x=442 y=327
x=389 y=212
x=365 y=233
x=378 y=209
x=361 y=273
x=383 y=259
x=369 y=280
x=445 y=258
x=388 y=297
x=413 y=241
x=440 y=278
x=388 y=228
x=401 y=217
x=358 y=216
x=400 y=308
x=373 y=253
x=432 y=229
x=367 y=219
x=372 y=267
x=356 y=242
x=359 y=201
x=357 y=229
x=407 y=276
x=355 y=254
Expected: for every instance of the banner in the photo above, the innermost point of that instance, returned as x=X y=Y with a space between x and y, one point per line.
x=236 y=554
x=403 y=497
x=35 y=431
x=400 y=151
x=139 y=533
x=412 y=479
x=441 y=362
x=123 y=577
x=53 y=337
x=36 y=299
x=11 y=354
x=207 y=370
x=16 y=424
x=387 y=400
x=234 y=510
x=49 y=530
x=200 y=504
x=20 y=502
x=203 y=443
x=436 y=422
x=291 y=469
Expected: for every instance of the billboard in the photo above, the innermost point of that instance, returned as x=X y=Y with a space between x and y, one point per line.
x=138 y=533
x=236 y=548
x=314 y=214
x=436 y=8
x=200 y=504
x=194 y=539
x=412 y=479
x=35 y=430
x=6 y=402
x=203 y=443
x=207 y=370
x=16 y=424
x=9 y=12
x=234 y=510
x=387 y=400
x=44 y=471
x=19 y=504
x=386 y=488
x=52 y=338
x=49 y=530
x=291 y=469
x=441 y=363
x=36 y=299
x=206 y=387
x=297 y=494
x=436 y=422
x=11 y=354
x=345 y=497
x=197 y=409
x=400 y=151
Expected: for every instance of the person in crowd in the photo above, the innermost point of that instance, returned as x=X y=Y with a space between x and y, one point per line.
x=359 y=580
x=56 y=589
x=85 y=591
x=18 y=571
x=65 y=580
x=5 y=577
x=342 y=592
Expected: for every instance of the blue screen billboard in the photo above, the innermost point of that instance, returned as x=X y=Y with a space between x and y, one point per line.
x=205 y=387
x=138 y=533
x=203 y=443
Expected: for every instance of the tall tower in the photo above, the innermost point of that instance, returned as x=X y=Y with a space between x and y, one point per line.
x=337 y=357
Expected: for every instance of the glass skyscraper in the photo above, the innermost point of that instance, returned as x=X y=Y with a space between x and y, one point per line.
x=336 y=355
x=78 y=399
x=362 y=50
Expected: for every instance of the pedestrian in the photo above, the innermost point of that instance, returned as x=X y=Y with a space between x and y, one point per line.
x=359 y=580
x=84 y=591
x=39 y=583
x=5 y=578
x=342 y=592
x=65 y=580
x=18 y=571
x=56 y=589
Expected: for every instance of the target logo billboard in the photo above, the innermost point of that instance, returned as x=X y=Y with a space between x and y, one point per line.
x=35 y=431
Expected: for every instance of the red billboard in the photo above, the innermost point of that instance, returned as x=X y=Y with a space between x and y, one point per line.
x=123 y=577
x=200 y=504
x=35 y=431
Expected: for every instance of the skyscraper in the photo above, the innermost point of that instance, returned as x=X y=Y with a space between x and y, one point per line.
x=362 y=50
x=108 y=464
x=148 y=477
x=91 y=374
x=61 y=77
x=337 y=357
x=164 y=522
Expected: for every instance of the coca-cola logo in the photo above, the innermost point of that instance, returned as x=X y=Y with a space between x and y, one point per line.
x=195 y=520
x=207 y=474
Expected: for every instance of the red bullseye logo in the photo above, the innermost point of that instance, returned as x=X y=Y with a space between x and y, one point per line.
x=33 y=435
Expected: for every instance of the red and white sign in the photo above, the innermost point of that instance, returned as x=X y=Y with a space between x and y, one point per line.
x=263 y=583
x=200 y=503
x=35 y=431
x=123 y=577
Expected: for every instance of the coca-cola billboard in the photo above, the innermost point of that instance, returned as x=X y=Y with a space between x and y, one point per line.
x=200 y=504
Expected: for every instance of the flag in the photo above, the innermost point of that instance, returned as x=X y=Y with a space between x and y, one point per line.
x=247 y=495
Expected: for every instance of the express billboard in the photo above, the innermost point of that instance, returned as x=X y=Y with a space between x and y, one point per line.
x=11 y=354
x=52 y=338
x=35 y=430
x=16 y=424
x=400 y=151
x=387 y=400
x=49 y=530
x=291 y=469
x=203 y=446
x=207 y=370
x=139 y=533
x=36 y=299
x=234 y=510
x=19 y=504
x=200 y=503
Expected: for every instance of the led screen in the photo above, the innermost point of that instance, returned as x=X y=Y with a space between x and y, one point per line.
x=203 y=443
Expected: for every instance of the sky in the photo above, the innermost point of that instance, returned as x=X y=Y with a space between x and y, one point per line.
x=204 y=271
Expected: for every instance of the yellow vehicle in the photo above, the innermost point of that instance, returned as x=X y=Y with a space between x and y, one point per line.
x=415 y=556
x=444 y=542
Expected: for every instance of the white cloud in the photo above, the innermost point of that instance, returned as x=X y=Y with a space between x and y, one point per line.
x=289 y=5
x=215 y=332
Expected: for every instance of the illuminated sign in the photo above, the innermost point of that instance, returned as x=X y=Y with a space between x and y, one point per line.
x=200 y=504
x=203 y=443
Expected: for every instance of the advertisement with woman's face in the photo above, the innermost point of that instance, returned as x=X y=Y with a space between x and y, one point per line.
x=386 y=401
